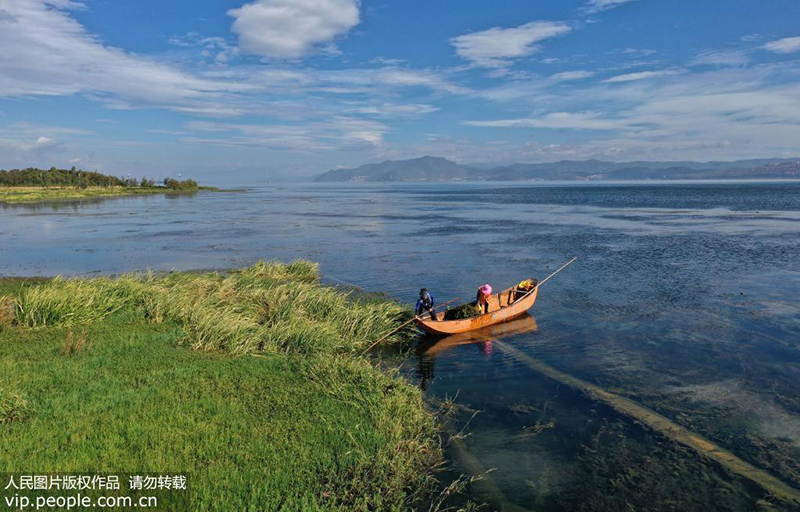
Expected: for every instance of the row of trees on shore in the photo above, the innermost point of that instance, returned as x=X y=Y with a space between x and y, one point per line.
x=33 y=177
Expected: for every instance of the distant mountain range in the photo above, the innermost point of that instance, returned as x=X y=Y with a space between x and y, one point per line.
x=430 y=168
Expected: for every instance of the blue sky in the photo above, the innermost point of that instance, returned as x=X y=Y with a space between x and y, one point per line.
x=233 y=91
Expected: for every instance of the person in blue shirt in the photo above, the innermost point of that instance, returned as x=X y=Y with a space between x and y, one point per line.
x=425 y=303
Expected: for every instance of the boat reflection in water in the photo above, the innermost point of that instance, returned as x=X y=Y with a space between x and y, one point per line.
x=430 y=346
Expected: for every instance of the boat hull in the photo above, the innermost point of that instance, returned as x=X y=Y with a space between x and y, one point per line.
x=524 y=323
x=499 y=311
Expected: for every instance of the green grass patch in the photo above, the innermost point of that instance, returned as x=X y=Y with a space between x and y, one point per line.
x=38 y=194
x=97 y=377
x=13 y=406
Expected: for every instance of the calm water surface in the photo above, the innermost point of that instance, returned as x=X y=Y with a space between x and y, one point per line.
x=686 y=299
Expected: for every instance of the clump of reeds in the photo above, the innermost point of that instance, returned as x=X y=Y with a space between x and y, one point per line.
x=75 y=301
x=271 y=307
x=13 y=407
x=297 y=271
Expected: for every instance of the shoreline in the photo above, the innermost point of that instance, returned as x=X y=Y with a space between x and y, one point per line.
x=26 y=194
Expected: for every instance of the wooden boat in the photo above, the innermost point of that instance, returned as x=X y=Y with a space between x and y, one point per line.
x=523 y=324
x=504 y=306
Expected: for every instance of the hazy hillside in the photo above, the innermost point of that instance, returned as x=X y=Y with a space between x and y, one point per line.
x=427 y=168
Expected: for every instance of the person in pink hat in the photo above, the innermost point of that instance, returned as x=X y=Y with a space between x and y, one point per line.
x=483 y=297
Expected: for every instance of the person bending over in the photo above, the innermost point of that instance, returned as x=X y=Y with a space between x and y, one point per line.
x=425 y=303
x=484 y=292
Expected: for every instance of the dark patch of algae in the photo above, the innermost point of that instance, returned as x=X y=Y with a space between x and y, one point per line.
x=662 y=425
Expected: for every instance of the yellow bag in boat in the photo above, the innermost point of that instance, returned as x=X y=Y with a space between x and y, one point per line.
x=525 y=285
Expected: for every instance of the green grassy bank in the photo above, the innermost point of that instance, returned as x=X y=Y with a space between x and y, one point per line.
x=57 y=193
x=155 y=373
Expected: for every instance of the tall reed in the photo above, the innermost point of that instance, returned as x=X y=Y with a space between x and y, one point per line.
x=269 y=306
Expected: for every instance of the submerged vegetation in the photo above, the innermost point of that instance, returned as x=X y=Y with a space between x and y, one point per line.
x=27 y=185
x=100 y=378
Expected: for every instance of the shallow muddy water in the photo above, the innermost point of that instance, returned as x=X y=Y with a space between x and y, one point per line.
x=685 y=299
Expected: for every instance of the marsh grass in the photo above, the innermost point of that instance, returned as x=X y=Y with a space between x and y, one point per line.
x=56 y=193
x=303 y=426
x=34 y=194
x=66 y=302
x=271 y=307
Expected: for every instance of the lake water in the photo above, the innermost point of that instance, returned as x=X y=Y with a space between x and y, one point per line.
x=685 y=298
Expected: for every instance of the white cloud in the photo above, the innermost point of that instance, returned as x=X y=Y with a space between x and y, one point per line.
x=725 y=113
x=29 y=130
x=595 y=6
x=47 y=52
x=642 y=75
x=644 y=52
x=720 y=58
x=163 y=131
x=213 y=47
x=749 y=38
x=42 y=142
x=470 y=150
x=331 y=134
x=720 y=106
x=289 y=29
x=757 y=107
x=23 y=152
x=24 y=144
x=366 y=80
x=554 y=120
x=395 y=110
x=497 y=47
x=571 y=75
x=785 y=45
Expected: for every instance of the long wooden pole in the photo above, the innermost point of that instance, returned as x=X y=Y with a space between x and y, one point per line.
x=405 y=324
